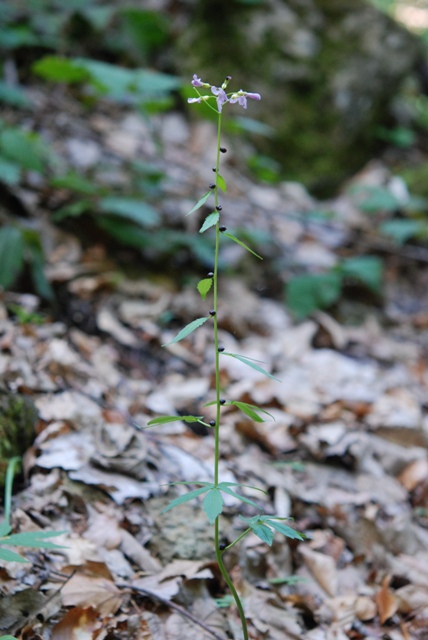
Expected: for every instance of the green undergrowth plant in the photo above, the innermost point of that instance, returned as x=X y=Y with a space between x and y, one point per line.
x=30 y=539
x=262 y=525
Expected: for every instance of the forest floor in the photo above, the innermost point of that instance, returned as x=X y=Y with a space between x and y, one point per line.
x=345 y=456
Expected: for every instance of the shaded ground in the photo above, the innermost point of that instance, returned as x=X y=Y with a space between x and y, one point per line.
x=346 y=455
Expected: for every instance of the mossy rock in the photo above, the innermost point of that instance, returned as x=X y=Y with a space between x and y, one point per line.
x=328 y=72
x=18 y=416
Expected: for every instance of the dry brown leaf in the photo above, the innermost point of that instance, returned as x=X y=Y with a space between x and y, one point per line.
x=414 y=473
x=386 y=601
x=80 y=623
x=365 y=608
x=92 y=585
x=322 y=567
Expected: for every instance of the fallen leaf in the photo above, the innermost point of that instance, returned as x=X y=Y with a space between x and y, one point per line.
x=78 y=624
x=386 y=601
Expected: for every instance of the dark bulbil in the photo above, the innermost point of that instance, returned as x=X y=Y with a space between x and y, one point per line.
x=212 y=312
x=219 y=207
x=223 y=228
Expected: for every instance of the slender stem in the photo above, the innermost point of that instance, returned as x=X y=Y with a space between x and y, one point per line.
x=238 y=539
x=10 y=472
x=218 y=552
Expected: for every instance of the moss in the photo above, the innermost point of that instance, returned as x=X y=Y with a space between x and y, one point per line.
x=18 y=416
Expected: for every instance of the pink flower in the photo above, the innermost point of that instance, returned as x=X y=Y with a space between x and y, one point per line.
x=221 y=97
x=241 y=97
x=197 y=82
x=192 y=100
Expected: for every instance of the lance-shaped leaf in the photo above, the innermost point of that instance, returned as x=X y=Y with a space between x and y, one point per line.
x=10 y=556
x=223 y=487
x=204 y=286
x=221 y=182
x=200 y=202
x=245 y=246
x=263 y=532
x=33 y=539
x=210 y=221
x=250 y=362
x=167 y=419
x=259 y=524
x=213 y=504
x=287 y=531
x=188 y=329
x=5 y=528
x=238 y=484
x=187 y=497
x=251 y=410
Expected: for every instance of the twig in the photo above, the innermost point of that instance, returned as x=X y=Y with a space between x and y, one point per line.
x=173 y=605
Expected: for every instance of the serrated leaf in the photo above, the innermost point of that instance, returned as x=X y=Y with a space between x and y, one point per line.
x=221 y=182
x=210 y=221
x=10 y=556
x=213 y=504
x=187 y=330
x=263 y=532
x=287 y=531
x=237 y=495
x=167 y=419
x=250 y=410
x=186 y=498
x=204 y=286
x=33 y=539
x=200 y=202
x=242 y=244
x=250 y=363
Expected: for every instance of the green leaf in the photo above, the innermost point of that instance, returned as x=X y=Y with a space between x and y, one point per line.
x=308 y=293
x=11 y=255
x=5 y=528
x=13 y=95
x=75 y=182
x=210 y=221
x=230 y=492
x=239 y=484
x=250 y=410
x=73 y=210
x=263 y=532
x=131 y=209
x=402 y=230
x=250 y=363
x=242 y=244
x=23 y=148
x=221 y=182
x=366 y=269
x=10 y=172
x=33 y=539
x=200 y=202
x=10 y=556
x=204 y=286
x=188 y=329
x=287 y=531
x=7 y=638
x=187 y=497
x=167 y=419
x=59 y=69
x=213 y=504
x=373 y=199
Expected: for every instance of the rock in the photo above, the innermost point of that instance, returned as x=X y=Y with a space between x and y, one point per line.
x=327 y=70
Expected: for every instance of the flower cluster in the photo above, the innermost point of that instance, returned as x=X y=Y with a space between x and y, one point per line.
x=220 y=94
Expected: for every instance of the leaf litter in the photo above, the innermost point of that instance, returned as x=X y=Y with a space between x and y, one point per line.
x=346 y=455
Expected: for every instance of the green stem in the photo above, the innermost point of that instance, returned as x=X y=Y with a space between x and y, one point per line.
x=10 y=472
x=218 y=552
